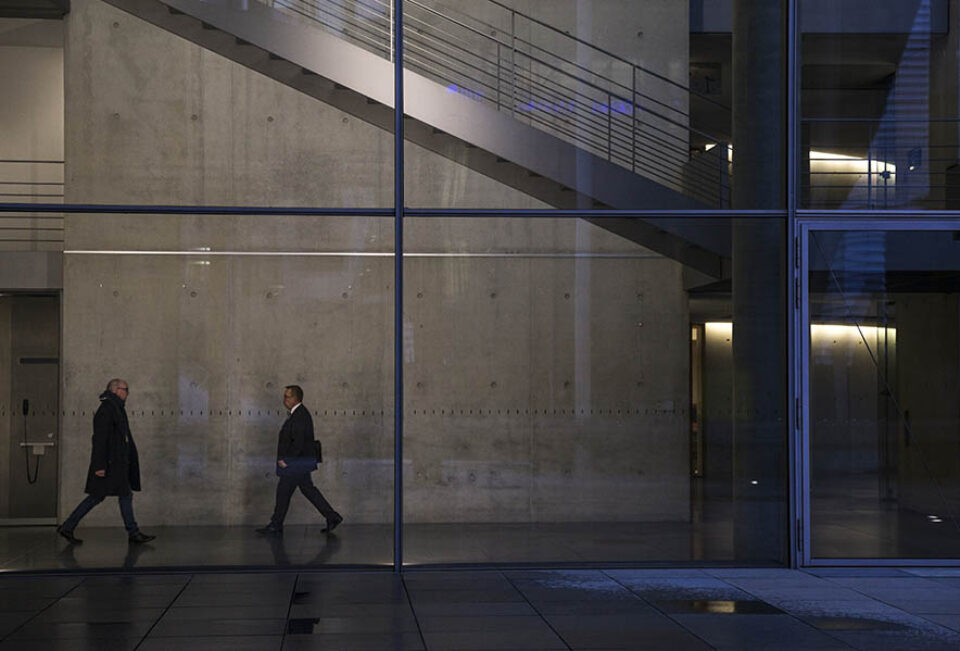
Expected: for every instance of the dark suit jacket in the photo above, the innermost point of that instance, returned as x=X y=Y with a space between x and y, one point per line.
x=295 y=445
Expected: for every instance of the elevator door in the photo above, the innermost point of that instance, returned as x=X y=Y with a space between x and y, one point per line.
x=29 y=425
x=880 y=330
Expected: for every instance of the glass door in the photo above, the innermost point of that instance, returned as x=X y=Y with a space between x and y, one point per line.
x=880 y=347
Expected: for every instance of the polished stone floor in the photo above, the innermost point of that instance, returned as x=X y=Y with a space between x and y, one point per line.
x=637 y=609
x=352 y=545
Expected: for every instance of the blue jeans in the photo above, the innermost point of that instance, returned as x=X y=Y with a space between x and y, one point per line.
x=126 y=510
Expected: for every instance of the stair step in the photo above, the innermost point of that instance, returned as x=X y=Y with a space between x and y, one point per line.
x=175 y=12
x=240 y=41
x=207 y=26
x=308 y=71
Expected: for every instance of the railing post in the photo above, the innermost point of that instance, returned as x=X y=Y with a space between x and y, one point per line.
x=513 y=61
x=869 y=176
x=633 y=120
x=609 y=127
x=498 y=74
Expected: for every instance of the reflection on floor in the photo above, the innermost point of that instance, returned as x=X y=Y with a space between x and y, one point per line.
x=632 y=609
x=866 y=529
x=40 y=548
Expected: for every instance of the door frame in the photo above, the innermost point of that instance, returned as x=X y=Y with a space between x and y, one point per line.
x=803 y=227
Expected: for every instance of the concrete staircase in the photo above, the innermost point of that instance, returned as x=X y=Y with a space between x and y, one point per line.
x=451 y=124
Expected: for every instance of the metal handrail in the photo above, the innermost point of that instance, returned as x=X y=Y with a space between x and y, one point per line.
x=627 y=124
x=25 y=230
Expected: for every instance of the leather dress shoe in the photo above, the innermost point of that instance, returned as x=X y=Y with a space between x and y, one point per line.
x=68 y=534
x=140 y=537
x=332 y=524
x=270 y=530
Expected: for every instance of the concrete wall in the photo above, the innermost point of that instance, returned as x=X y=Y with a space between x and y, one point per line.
x=208 y=341
x=6 y=406
x=31 y=114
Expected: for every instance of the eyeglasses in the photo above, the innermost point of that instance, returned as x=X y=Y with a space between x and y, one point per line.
x=123 y=389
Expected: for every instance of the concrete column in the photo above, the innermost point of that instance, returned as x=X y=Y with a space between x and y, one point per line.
x=759 y=435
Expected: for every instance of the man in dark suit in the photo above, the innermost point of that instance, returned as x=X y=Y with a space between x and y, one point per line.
x=114 y=464
x=296 y=459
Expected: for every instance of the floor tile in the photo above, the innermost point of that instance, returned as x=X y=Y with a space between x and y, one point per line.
x=367 y=642
x=79 y=611
x=432 y=624
x=853 y=624
x=755 y=632
x=465 y=596
x=401 y=622
x=349 y=610
x=473 y=609
x=218 y=627
x=637 y=607
x=911 y=640
x=949 y=621
x=9 y=622
x=489 y=640
x=114 y=644
x=231 y=643
x=82 y=630
x=265 y=611
x=717 y=607
x=618 y=631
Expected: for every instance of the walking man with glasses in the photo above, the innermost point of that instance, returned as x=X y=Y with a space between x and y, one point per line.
x=114 y=465
x=296 y=459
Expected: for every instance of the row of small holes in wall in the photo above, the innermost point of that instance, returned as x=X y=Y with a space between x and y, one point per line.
x=269 y=295
x=415 y=412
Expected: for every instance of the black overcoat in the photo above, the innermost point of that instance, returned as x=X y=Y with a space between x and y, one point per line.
x=295 y=445
x=113 y=450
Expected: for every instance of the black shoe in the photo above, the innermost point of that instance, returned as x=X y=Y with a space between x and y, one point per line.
x=68 y=534
x=332 y=524
x=270 y=530
x=140 y=537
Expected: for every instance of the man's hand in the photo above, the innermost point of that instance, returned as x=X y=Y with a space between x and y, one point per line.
x=281 y=463
x=100 y=473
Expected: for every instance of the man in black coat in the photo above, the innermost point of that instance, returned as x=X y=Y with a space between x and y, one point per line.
x=296 y=459
x=114 y=464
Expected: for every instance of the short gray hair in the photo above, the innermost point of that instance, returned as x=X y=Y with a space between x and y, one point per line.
x=112 y=384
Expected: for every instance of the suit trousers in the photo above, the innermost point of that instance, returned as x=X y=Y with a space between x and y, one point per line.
x=126 y=510
x=285 y=488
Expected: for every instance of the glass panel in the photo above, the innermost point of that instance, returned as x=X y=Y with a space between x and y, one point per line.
x=884 y=380
x=208 y=319
x=549 y=372
x=223 y=104
x=580 y=105
x=879 y=105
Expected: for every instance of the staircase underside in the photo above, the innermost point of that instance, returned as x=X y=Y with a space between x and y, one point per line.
x=458 y=128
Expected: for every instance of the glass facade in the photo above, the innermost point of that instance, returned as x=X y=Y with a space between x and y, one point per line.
x=626 y=287
x=879 y=106
x=882 y=351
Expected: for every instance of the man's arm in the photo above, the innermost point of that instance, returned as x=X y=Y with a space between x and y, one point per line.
x=101 y=434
